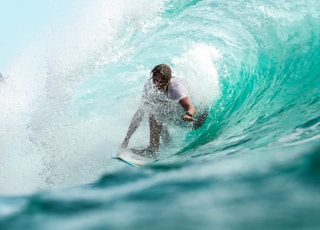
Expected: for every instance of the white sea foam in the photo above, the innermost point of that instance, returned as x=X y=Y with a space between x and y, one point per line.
x=42 y=145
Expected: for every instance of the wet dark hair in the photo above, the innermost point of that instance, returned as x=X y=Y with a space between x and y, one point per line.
x=162 y=69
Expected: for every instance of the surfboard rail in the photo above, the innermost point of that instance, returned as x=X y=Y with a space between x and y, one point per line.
x=132 y=157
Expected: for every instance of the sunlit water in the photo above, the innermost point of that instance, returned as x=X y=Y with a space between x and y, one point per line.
x=254 y=164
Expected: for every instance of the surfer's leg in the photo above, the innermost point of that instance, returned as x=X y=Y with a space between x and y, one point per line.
x=155 y=130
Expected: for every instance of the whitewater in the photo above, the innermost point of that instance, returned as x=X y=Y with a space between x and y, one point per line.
x=69 y=97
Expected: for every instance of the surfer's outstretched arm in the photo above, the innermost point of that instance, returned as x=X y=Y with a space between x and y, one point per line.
x=135 y=122
x=188 y=108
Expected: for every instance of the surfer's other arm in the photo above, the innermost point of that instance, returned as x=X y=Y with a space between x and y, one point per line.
x=188 y=108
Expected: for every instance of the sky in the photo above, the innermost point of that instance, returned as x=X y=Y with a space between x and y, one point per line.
x=21 y=21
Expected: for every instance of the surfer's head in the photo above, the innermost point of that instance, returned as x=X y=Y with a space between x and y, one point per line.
x=161 y=76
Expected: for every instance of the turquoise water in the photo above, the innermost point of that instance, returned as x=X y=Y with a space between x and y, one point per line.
x=254 y=164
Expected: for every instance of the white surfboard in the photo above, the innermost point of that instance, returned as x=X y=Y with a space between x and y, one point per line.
x=134 y=157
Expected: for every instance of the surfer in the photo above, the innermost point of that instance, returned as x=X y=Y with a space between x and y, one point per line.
x=161 y=95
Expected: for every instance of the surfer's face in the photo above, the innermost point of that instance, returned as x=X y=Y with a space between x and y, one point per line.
x=159 y=81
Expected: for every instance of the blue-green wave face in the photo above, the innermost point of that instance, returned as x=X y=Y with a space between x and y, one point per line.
x=253 y=63
x=68 y=101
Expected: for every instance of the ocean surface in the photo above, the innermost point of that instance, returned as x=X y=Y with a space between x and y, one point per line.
x=68 y=99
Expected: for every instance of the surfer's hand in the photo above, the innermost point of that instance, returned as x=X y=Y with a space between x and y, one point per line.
x=188 y=117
